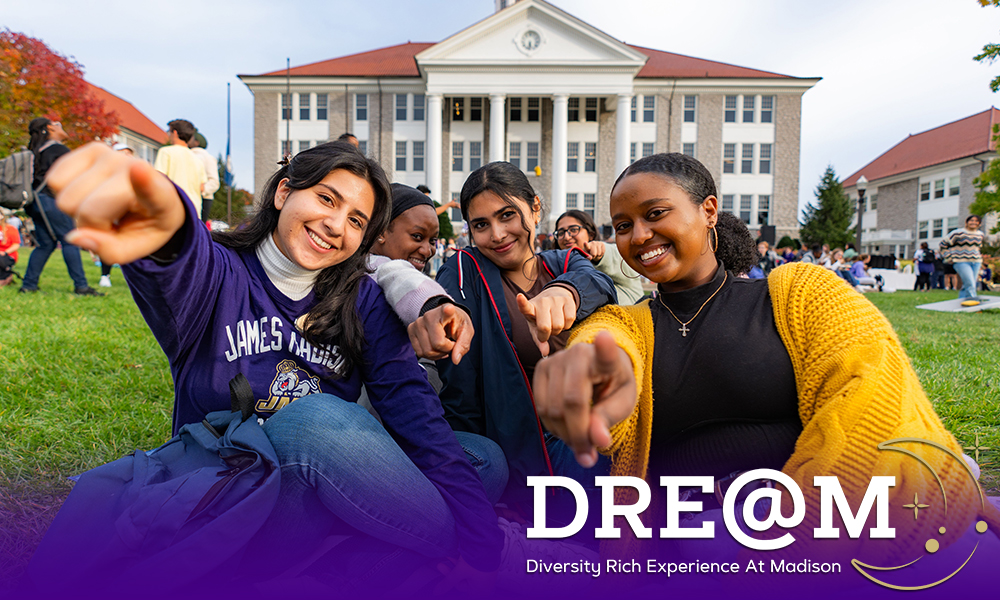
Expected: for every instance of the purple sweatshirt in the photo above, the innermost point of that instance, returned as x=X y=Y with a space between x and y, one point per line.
x=215 y=313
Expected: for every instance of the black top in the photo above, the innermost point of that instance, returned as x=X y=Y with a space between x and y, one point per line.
x=724 y=395
x=45 y=161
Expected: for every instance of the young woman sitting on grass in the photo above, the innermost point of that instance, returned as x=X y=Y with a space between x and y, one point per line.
x=287 y=301
x=721 y=375
x=576 y=229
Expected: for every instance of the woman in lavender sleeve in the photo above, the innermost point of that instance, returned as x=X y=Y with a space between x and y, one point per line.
x=287 y=301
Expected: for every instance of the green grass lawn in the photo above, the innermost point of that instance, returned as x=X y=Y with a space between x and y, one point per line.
x=83 y=382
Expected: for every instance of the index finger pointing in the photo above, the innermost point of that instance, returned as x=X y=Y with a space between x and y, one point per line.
x=72 y=165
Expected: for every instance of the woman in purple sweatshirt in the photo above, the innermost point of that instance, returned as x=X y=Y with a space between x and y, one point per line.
x=287 y=302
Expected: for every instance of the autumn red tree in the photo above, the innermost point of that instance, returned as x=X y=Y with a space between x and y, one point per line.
x=38 y=82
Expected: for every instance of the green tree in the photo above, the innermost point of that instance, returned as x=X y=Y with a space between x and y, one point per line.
x=828 y=221
x=445 y=230
x=988 y=182
x=242 y=203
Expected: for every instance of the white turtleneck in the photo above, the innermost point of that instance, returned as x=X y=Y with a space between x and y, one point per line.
x=291 y=279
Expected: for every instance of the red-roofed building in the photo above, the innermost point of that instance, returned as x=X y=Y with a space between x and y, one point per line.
x=921 y=188
x=533 y=85
x=141 y=134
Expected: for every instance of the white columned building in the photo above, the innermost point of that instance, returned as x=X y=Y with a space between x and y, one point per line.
x=566 y=103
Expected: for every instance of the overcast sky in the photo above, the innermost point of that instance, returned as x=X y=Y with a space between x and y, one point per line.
x=889 y=67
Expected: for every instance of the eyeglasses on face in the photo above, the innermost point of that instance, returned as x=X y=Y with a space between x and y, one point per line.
x=571 y=230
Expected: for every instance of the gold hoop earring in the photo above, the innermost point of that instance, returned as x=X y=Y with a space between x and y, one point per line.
x=714 y=250
x=621 y=267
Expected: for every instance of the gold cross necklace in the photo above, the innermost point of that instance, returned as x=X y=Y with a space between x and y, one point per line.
x=684 y=324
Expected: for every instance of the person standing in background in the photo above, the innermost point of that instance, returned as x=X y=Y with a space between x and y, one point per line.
x=46 y=144
x=961 y=248
x=198 y=145
x=177 y=162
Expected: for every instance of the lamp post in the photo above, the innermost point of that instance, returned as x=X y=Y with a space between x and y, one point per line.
x=862 y=185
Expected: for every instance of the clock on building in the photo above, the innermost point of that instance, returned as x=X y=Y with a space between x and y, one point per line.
x=530 y=40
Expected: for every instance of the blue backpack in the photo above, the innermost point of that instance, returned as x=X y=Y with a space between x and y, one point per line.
x=155 y=522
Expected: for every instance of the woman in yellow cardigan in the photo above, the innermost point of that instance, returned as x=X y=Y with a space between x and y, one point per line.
x=797 y=373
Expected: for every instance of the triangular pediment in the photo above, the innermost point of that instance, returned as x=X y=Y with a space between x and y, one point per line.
x=531 y=32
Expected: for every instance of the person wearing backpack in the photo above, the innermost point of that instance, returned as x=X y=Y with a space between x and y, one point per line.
x=46 y=137
x=287 y=301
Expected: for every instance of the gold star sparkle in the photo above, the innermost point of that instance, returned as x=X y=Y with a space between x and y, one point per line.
x=977 y=448
x=916 y=506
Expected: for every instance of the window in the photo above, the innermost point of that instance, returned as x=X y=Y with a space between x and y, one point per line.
x=939 y=188
x=418 y=156
x=456 y=213
x=874 y=201
x=763 y=208
x=515 y=109
x=475 y=155
x=361 y=107
x=925 y=191
x=746 y=202
x=647 y=149
x=764 y=166
x=400 y=156
x=304 y=145
x=571 y=201
x=589 y=204
x=363 y=147
x=286 y=107
x=631 y=152
x=286 y=148
x=746 y=167
x=922 y=230
x=456 y=156
x=688 y=149
x=573 y=157
x=591 y=112
x=730 y=109
x=573 y=112
x=748 y=108
x=727 y=203
x=533 y=109
x=322 y=105
x=457 y=109
x=532 y=158
x=953 y=186
x=475 y=109
x=590 y=157
x=418 y=107
x=304 y=106
x=952 y=223
x=648 y=109
x=690 y=102
x=635 y=100
x=515 y=152
x=729 y=158
x=767 y=109
x=938 y=228
x=401 y=107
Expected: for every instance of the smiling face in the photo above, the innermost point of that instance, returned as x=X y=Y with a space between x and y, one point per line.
x=662 y=233
x=323 y=225
x=498 y=232
x=569 y=239
x=972 y=223
x=411 y=236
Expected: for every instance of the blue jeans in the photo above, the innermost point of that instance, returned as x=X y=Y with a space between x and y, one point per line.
x=969 y=272
x=61 y=225
x=342 y=473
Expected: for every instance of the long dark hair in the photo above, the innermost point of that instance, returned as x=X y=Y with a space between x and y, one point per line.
x=585 y=221
x=506 y=181
x=38 y=129
x=334 y=320
x=736 y=248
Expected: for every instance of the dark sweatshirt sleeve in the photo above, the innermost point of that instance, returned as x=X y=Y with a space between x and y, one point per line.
x=462 y=383
x=412 y=414
x=177 y=299
x=595 y=289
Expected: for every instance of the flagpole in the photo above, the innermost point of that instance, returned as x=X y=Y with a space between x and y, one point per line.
x=288 y=94
x=229 y=179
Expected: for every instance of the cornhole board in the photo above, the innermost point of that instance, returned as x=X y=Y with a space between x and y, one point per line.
x=955 y=305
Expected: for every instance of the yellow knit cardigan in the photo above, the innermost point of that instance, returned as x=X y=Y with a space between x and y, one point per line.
x=856 y=388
